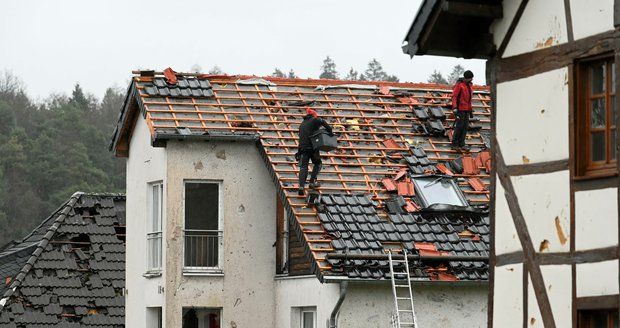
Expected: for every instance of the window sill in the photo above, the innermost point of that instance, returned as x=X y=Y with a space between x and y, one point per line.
x=597 y=175
x=209 y=272
x=152 y=274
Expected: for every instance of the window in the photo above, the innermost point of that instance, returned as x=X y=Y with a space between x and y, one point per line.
x=154 y=227
x=598 y=319
x=203 y=234
x=595 y=118
x=153 y=317
x=201 y=318
x=303 y=317
x=438 y=190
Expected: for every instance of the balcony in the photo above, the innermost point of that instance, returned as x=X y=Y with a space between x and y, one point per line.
x=202 y=251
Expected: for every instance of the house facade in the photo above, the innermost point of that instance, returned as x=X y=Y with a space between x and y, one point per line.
x=551 y=67
x=218 y=236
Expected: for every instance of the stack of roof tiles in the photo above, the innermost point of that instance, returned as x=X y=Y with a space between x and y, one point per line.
x=70 y=271
x=388 y=133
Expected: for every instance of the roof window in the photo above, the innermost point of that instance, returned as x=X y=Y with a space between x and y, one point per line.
x=432 y=190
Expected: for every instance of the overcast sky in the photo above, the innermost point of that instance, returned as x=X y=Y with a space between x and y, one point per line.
x=51 y=45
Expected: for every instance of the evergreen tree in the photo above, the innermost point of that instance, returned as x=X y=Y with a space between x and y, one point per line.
x=457 y=72
x=328 y=69
x=292 y=75
x=375 y=72
x=278 y=73
x=352 y=75
x=216 y=70
x=196 y=69
x=437 y=77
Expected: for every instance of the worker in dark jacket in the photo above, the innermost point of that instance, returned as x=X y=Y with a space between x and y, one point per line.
x=461 y=105
x=310 y=125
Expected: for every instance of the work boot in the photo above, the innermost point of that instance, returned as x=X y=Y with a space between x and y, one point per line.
x=314 y=184
x=300 y=191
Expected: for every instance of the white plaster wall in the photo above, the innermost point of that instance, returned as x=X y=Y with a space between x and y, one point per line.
x=508 y=296
x=499 y=27
x=542 y=24
x=246 y=292
x=436 y=306
x=595 y=279
x=145 y=164
x=532 y=118
x=304 y=291
x=591 y=17
x=596 y=218
x=506 y=238
x=543 y=198
x=558 y=283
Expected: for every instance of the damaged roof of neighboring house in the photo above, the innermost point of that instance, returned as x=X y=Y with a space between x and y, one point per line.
x=458 y=28
x=70 y=271
x=380 y=190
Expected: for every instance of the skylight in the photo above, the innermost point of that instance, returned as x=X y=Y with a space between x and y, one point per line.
x=439 y=190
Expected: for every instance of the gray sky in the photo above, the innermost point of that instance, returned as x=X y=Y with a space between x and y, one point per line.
x=51 y=45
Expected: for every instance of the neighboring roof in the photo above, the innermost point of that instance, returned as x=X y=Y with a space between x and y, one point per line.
x=453 y=28
x=388 y=133
x=70 y=271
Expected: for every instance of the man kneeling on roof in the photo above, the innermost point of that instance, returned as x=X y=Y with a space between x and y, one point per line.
x=461 y=105
x=306 y=152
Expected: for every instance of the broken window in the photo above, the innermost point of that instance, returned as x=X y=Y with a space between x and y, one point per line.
x=154 y=227
x=439 y=190
x=595 y=117
x=195 y=317
x=203 y=234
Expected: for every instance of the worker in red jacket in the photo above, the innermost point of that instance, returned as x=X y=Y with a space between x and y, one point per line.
x=461 y=105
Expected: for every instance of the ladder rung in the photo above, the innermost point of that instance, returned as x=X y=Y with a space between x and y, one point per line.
x=405 y=311
x=403 y=298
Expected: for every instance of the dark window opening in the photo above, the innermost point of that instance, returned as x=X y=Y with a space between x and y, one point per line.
x=598 y=319
x=201 y=318
x=202 y=225
x=595 y=117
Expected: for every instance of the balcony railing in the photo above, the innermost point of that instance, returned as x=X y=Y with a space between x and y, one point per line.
x=202 y=249
x=153 y=255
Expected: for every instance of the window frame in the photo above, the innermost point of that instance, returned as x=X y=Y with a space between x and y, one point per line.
x=584 y=321
x=585 y=168
x=156 y=234
x=212 y=270
x=304 y=310
x=420 y=193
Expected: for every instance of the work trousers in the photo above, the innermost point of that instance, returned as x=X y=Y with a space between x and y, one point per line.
x=304 y=159
x=460 y=128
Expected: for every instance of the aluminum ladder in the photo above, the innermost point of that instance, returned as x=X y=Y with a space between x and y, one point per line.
x=404 y=316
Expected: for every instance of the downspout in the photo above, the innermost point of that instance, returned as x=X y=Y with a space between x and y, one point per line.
x=333 y=318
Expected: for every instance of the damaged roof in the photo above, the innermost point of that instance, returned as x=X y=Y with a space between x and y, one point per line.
x=70 y=271
x=376 y=194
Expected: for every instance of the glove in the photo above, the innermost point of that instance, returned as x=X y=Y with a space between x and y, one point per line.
x=471 y=114
x=297 y=156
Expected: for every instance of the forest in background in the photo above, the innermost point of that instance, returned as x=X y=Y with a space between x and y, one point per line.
x=52 y=148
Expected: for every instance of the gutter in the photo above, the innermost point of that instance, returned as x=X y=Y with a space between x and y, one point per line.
x=333 y=318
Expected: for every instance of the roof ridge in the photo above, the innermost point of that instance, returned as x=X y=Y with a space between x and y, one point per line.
x=64 y=210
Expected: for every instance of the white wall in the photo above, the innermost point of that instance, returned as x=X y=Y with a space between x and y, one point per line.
x=558 y=283
x=526 y=111
x=595 y=279
x=596 y=218
x=506 y=237
x=545 y=25
x=370 y=305
x=246 y=291
x=145 y=164
x=591 y=17
x=508 y=296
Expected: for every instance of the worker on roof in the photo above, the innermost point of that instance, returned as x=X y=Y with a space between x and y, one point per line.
x=306 y=152
x=461 y=105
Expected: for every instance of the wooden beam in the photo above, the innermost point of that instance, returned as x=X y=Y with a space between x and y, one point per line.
x=599 y=183
x=538 y=168
x=511 y=28
x=548 y=59
x=490 y=72
x=569 y=21
x=538 y=281
x=597 y=302
x=567 y=258
x=480 y=10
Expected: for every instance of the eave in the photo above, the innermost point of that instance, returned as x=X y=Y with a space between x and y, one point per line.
x=455 y=28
